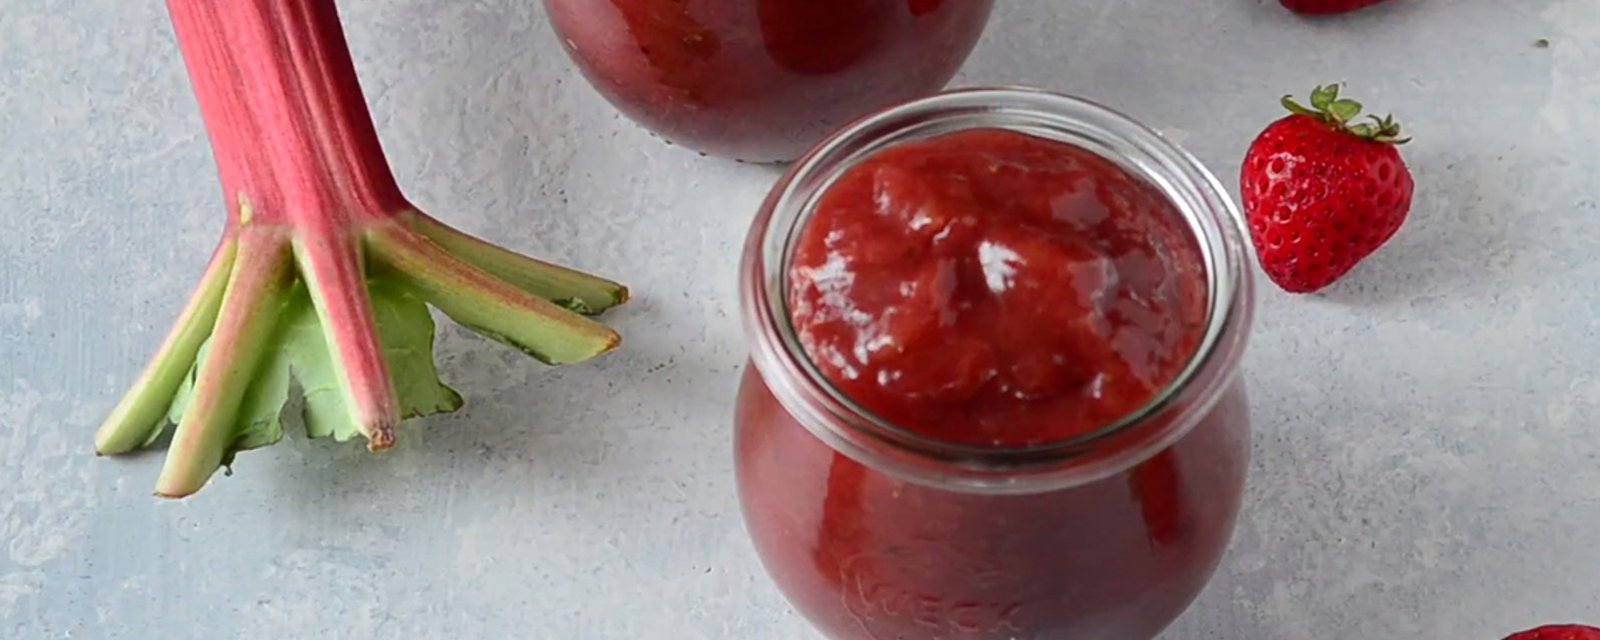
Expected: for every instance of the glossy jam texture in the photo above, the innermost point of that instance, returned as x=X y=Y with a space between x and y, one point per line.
x=991 y=287
x=763 y=80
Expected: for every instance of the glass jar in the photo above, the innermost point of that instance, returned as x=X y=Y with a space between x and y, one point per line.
x=762 y=80
x=874 y=532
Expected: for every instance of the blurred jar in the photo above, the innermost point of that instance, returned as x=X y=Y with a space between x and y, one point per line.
x=762 y=80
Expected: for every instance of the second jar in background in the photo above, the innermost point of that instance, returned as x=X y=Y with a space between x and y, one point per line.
x=762 y=80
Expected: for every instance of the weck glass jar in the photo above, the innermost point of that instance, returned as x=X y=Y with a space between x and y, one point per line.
x=762 y=80
x=877 y=527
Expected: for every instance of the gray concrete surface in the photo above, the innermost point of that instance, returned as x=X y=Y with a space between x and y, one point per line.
x=1426 y=465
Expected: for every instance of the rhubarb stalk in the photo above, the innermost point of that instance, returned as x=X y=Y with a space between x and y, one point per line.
x=318 y=232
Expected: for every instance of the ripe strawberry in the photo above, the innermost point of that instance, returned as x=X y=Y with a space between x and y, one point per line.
x=1558 y=632
x=1322 y=194
x=1326 y=7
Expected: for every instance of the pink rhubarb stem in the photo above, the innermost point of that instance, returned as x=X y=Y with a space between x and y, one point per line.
x=331 y=265
x=284 y=110
x=296 y=148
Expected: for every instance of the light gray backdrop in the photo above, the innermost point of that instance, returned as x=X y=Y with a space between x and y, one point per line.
x=1427 y=459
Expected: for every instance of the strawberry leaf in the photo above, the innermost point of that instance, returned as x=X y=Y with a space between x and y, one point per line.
x=1299 y=109
x=1322 y=97
x=1344 y=110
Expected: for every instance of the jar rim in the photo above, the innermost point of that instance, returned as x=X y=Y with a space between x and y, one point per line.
x=1210 y=214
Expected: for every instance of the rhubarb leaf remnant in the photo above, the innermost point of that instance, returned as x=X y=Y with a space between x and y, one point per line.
x=300 y=352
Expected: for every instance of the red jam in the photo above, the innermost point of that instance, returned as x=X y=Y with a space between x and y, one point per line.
x=992 y=288
x=763 y=80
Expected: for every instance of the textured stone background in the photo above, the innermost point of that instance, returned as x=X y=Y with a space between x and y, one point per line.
x=1426 y=464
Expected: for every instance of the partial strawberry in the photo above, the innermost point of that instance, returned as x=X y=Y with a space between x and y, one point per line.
x=1558 y=632
x=1320 y=193
x=1326 y=7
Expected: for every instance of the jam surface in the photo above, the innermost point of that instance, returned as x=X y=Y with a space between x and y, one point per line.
x=995 y=288
x=763 y=80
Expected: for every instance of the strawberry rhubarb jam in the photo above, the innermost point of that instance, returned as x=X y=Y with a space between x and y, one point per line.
x=994 y=288
x=762 y=80
x=988 y=400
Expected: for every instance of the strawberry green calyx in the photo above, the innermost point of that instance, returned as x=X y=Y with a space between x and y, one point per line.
x=1338 y=113
x=324 y=271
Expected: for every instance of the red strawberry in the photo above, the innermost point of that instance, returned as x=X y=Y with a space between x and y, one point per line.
x=1558 y=632
x=1326 y=7
x=1322 y=194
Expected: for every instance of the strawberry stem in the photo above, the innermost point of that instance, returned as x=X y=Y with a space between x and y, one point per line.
x=310 y=195
x=1338 y=113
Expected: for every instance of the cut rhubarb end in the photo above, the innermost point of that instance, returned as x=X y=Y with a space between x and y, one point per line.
x=138 y=417
x=582 y=292
x=256 y=290
x=486 y=304
x=331 y=265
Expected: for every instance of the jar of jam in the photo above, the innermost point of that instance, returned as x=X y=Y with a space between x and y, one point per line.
x=994 y=395
x=763 y=80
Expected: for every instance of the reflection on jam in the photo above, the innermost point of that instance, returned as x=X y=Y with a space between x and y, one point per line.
x=843 y=523
x=676 y=47
x=1158 y=486
x=995 y=288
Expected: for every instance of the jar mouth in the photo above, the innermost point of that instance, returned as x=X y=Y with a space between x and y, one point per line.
x=1203 y=204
